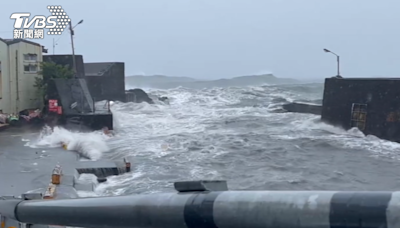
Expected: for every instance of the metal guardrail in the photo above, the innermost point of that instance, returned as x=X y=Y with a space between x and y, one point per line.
x=105 y=107
x=209 y=204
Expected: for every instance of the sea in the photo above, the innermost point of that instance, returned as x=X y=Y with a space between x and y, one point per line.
x=235 y=133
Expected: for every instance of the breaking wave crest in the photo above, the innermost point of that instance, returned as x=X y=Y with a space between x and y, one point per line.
x=89 y=145
x=234 y=134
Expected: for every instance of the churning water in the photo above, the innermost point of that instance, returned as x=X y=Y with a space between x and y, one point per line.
x=236 y=134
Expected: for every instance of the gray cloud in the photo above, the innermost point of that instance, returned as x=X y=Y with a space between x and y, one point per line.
x=226 y=38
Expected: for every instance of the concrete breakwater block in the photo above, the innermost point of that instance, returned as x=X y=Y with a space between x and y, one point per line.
x=102 y=168
x=64 y=182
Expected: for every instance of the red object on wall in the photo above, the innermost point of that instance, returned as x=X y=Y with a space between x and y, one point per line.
x=59 y=110
x=53 y=105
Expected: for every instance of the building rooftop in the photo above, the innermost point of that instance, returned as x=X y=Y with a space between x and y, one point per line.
x=97 y=69
x=14 y=41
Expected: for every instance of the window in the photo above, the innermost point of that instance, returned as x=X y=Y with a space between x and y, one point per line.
x=30 y=57
x=30 y=68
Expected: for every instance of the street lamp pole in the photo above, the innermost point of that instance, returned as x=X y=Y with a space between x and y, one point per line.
x=337 y=59
x=71 y=29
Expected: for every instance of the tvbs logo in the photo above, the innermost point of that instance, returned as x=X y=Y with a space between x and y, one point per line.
x=24 y=28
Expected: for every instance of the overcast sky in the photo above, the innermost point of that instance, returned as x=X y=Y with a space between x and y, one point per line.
x=226 y=38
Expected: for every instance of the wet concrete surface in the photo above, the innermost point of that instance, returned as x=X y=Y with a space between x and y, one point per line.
x=23 y=168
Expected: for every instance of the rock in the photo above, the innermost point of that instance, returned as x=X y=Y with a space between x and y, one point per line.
x=164 y=99
x=101 y=179
x=138 y=96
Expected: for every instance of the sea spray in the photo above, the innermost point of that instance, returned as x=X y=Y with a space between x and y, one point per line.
x=90 y=145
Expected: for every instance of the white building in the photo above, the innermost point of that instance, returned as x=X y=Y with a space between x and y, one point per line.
x=19 y=65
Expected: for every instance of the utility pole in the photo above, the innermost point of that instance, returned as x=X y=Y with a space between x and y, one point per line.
x=337 y=59
x=71 y=29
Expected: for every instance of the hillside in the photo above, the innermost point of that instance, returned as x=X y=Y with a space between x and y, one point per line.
x=165 y=82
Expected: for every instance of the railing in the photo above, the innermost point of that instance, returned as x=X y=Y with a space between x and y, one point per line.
x=209 y=204
x=102 y=107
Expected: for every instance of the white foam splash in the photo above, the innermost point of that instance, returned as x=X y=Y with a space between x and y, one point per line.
x=90 y=145
x=307 y=126
x=161 y=131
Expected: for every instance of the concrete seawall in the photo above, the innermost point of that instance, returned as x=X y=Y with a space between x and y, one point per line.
x=303 y=108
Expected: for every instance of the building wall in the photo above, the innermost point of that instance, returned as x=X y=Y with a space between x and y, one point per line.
x=70 y=91
x=67 y=61
x=24 y=65
x=4 y=80
x=110 y=86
